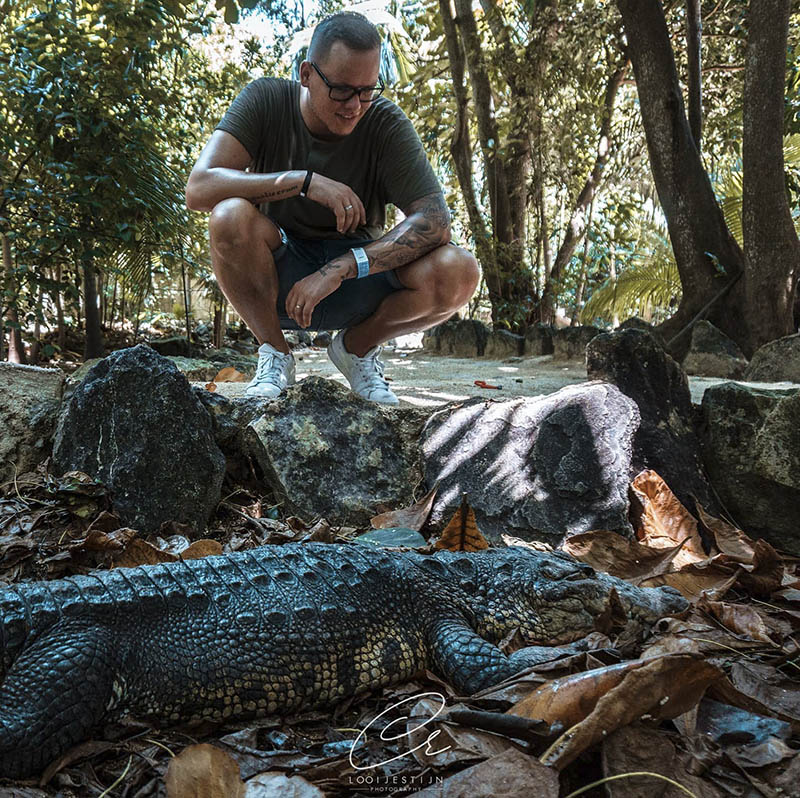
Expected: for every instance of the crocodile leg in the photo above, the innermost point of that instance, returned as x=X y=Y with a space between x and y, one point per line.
x=56 y=692
x=466 y=660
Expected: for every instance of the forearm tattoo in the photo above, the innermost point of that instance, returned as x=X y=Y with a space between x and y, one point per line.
x=273 y=194
x=426 y=226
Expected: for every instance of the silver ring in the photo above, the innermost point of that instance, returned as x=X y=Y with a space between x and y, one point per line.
x=348 y=207
x=297 y=307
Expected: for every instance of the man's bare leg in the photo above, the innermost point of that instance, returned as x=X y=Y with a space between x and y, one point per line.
x=436 y=286
x=242 y=242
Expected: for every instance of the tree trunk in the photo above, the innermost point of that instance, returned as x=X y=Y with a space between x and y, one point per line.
x=771 y=247
x=61 y=338
x=577 y=224
x=16 y=349
x=581 y=290
x=506 y=167
x=706 y=253
x=460 y=144
x=694 y=28
x=93 y=344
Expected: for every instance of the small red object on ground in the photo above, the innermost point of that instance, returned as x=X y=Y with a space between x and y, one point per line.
x=483 y=384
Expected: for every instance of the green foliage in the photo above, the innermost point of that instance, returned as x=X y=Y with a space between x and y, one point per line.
x=648 y=280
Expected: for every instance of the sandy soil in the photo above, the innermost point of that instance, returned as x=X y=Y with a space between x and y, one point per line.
x=424 y=379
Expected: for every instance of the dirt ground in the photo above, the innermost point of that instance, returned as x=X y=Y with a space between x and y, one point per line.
x=424 y=379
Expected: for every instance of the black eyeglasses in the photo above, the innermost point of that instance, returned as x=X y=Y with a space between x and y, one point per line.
x=341 y=94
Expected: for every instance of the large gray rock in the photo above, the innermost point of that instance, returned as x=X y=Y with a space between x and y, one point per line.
x=713 y=354
x=135 y=425
x=29 y=404
x=570 y=342
x=538 y=468
x=177 y=346
x=539 y=340
x=502 y=344
x=751 y=448
x=777 y=361
x=326 y=452
x=462 y=338
x=666 y=440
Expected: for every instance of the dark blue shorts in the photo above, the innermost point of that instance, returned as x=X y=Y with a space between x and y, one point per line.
x=351 y=303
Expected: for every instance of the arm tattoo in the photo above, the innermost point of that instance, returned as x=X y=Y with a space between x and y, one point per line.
x=426 y=226
x=274 y=194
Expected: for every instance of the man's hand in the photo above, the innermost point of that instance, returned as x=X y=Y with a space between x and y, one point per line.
x=307 y=293
x=339 y=198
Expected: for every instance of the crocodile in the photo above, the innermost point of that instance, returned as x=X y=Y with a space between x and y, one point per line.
x=278 y=629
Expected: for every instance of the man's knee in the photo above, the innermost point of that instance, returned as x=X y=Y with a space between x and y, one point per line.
x=456 y=275
x=236 y=222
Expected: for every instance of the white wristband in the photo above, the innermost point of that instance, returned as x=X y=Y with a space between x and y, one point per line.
x=362 y=262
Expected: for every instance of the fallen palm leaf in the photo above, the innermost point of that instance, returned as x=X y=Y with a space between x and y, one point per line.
x=665 y=522
x=413 y=517
x=659 y=688
x=462 y=533
x=627 y=559
x=203 y=771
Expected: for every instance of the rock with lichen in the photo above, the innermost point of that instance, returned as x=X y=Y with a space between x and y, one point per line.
x=326 y=452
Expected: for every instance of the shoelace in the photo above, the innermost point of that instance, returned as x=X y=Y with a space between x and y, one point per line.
x=269 y=368
x=371 y=368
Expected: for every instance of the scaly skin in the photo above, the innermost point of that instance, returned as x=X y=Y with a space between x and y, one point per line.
x=276 y=630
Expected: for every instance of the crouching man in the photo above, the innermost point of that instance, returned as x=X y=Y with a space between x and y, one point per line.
x=297 y=177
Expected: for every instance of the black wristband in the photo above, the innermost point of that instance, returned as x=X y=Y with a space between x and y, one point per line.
x=306 y=183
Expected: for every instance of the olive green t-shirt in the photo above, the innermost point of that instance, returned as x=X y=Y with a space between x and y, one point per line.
x=382 y=160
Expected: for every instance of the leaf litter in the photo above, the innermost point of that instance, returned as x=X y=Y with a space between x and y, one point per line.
x=709 y=707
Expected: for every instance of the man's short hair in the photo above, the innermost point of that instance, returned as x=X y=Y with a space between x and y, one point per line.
x=349 y=27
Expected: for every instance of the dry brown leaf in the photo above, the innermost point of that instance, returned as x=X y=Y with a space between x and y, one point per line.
x=570 y=699
x=211 y=386
x=748 y=694
x=140 y=552
x=273 y=783
x=739 y=618
x=767 y=573
x=665 y=522
x=730 y=540
x=413 y=517
x=693 y=581
x=658 y=688
x=638 y=749
x=769 y=687
x=462 y=533
x=695 y=634
x=96 y=540
x=507 y=775
x=203 y=771
x=202 y=548
x=230 y=374
x=627 y=559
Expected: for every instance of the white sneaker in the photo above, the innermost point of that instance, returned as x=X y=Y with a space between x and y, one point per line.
x=274 y=373
x=365 y=374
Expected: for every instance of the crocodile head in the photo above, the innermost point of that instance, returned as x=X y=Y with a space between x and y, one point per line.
x=553 y=599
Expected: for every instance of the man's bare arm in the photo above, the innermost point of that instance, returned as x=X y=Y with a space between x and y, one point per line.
x=426 y=227
x=219 y=174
